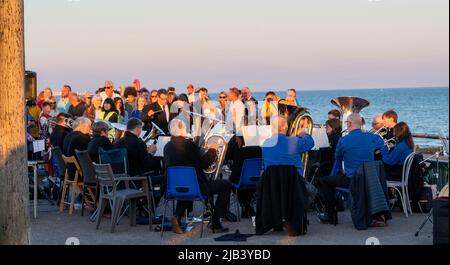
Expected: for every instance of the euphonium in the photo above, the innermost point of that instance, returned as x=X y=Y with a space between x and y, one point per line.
x=347 y=106
x=216 y=167
x=299 y=120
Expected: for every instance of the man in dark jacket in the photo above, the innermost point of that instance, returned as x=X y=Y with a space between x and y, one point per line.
x=140 y=158
x=77 y=106
x=100 y=139
x=60 y=131
x=181 y=151
x=158 y=113
x=77 y=140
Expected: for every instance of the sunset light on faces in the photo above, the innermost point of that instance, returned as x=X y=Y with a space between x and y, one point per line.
x=323 y=44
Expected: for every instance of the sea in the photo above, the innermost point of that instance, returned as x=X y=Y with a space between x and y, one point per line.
x=425 y=110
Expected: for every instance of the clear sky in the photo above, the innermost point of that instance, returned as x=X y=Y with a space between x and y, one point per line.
x=276 y=45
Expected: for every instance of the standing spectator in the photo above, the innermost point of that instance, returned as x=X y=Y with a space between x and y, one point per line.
x=251 y=104
x=88 y=99
x=77 y=107
x=130 y=95
x=191 y=94
x=123 y=115
x=63 y=104
x=143 y=92
x=153 y=96
x=291 y=97
x=109 y=92
x=141 y=102
x=52 y=102
x=269 y=109
x=109 y=113
x=46 y=96
x=223 y=99
x=235 y=115
x=94 y=111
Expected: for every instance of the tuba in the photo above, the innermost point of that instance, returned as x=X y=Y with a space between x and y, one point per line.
x=349 y=105
x=299 y=120
x=216 y=167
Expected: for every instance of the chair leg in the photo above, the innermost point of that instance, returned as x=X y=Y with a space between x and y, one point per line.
x=132 y=212
x=150 y=213
x=63 y=196
x=102 y=207
x=203 y=216
x=82 y=200
x=163 y=218
x=72 y=200
x=117 y=205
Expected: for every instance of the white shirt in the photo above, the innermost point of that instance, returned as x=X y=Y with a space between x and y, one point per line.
x=104 y=96
x=235 y=116
x=166 y=110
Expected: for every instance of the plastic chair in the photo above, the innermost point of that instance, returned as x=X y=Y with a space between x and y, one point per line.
x=403 y=185
x=182 y=184
x=108 y=182
x=250 y=175
x=89 y=179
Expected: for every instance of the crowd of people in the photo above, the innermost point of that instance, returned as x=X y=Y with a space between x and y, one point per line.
x=139 y=109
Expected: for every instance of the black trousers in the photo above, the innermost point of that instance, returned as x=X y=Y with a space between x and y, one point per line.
x=393 y=173
x=222 y=189
x=328 y=185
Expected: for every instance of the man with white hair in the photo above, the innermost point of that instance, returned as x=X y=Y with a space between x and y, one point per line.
x=377 y=123
x=79 y=138
x=281 y=149
x=354 y=149
x=181 y=151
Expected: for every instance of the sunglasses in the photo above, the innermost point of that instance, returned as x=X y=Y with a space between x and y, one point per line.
x=222 y=97
x=153 y=96
x=108 y=87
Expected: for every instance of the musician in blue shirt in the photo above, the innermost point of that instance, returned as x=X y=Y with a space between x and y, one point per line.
x=354 y=149
x=281 y=149
x=393 y=159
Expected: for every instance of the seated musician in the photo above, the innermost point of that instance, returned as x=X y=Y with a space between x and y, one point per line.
x=281 y=149
x=99 y=139
x=393 y=159
x=77 y=140
x=354 y=150
x=245 y=195
x=140 y=158
x=181 y=151
x=390 y=118
x=377 y=123
x=60 y=131
x=334 y=134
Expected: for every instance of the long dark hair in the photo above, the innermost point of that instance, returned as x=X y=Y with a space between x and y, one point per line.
x=336 y=125
x=401 y=131
x=110 y=101
x=121 y=110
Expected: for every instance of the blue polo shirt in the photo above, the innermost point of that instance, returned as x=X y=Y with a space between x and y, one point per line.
x=284 y=150
x=356 y=148
x=397 y=155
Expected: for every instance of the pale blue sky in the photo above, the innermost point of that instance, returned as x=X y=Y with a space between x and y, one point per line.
x=276 y=45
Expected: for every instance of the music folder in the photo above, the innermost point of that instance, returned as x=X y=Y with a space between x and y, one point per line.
x=160 y=144
x=320 y=138
x=256 y=135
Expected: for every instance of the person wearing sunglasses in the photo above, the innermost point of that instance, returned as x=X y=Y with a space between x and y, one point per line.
x=153 y=96
x=109 y=92
x=223 y=99
x=53 y=110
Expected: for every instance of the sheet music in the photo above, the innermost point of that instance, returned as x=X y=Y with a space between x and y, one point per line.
x=119 y=126
x=143 y=133
x=320 y=138
x=162 y=141
x=256 y=135
x=38 y=146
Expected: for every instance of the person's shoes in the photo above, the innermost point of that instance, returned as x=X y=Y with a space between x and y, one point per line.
x=176 y=228
x=290 y=229
x=378 y=221
x=217 y=229
x=326 y=218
